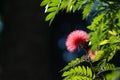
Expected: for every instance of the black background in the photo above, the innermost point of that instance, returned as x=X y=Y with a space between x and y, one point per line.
x=25 y=47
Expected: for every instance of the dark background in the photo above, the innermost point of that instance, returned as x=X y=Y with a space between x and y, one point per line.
x=25 y=43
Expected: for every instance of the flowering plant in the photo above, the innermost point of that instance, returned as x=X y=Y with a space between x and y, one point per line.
x=100 y=45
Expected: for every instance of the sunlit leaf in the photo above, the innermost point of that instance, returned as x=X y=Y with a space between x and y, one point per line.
x=104 y=42
x=50 y=16
x=79 y=73
x=51 y=9
x=44 y=2
x=112 y=32
x=87 y=10
x=98 y=55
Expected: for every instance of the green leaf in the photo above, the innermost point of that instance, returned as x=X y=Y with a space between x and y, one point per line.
x=50 y=16
x=79 y=73
x=98 y=55
x=94 y=40
x=54 y=3
x=104 y=67
x=87 y=10
x=100 y=6
x=104 y=42
x=114 y=75
x=64 y=4
x=107 y=66
x=89 y=72
x=77 y=5
x=96 y=21
x=112 y=51
x=44 y=2
x=51 y=9
x=114 y=39
x=84 y=70
x=73 y=63
x=79 y=69
x=94 y=47
x=112 y=32
x=70 y=6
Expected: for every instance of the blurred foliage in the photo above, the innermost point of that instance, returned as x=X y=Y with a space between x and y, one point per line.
x=115 y=75
x=104 y=37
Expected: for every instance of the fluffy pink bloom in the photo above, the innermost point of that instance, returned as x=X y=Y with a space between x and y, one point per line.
x=91 y=54
x=76 y=39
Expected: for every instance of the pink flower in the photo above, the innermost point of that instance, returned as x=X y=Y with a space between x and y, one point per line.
x=91 y=54
x=76 y=39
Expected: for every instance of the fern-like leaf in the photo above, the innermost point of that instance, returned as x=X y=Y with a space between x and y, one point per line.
x=73 y=63
x=50 y=16
x=99 y=55
x=70 y=5
x=52 y=8
x=113 y=50
x=79 y=73
x=44 y=2
x=107 y=67
x=64 y=4
x=96 y=21
x=87 y=10
x=77 y=5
